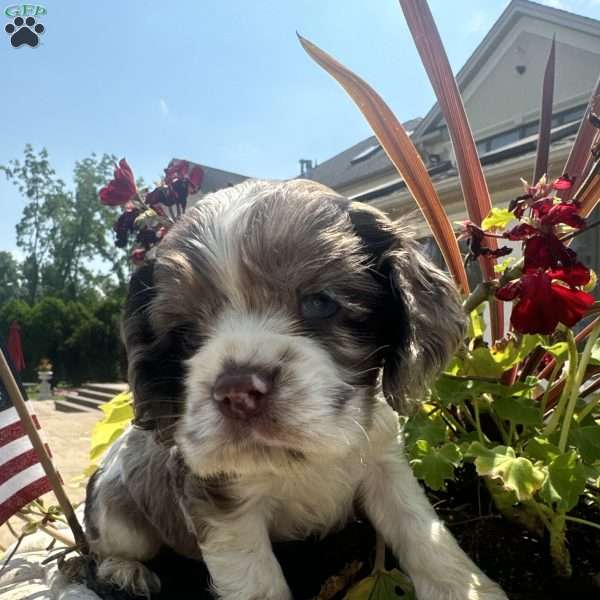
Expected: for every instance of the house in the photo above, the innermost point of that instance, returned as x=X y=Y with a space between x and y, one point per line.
x=501 y=89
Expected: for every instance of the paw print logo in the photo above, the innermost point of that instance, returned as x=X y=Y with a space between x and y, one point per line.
x=24 y=31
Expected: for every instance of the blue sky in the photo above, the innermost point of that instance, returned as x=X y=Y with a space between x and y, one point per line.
x=221 y=82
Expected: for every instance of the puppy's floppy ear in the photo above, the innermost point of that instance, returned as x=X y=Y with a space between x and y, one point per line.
x=426 y=319
x=155 y=371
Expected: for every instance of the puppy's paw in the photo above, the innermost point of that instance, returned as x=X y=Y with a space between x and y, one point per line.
x=130 y=576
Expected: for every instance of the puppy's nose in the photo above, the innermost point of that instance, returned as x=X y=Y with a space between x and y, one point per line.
x=242 y=395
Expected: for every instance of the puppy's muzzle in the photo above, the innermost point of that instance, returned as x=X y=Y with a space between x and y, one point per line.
x=242 y=395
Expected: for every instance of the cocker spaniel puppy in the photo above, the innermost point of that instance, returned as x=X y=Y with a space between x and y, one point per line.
x=268 y=342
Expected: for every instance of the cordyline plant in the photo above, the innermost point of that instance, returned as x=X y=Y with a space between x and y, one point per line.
x=524 y=408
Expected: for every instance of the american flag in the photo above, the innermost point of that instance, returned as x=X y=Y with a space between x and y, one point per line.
x=22 y=478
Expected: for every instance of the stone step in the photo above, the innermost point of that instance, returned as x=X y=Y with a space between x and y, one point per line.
x=69 y=406
x=106 y=388
x=91 y=393
x=83 y=400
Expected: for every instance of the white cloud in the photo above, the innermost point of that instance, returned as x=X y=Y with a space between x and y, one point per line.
x=164 y=108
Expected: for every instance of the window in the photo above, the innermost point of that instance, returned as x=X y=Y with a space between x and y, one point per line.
x=504 y=139
x=500 y=140
x=367 y=153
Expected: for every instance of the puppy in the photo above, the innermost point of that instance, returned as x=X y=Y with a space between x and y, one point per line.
x=267 y=343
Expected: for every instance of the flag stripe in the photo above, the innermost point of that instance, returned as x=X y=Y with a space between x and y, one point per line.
x=17 y=464
x=10 y=415
x=14 y=448
x=22 y=497
x=20 y=480
x=14 y=431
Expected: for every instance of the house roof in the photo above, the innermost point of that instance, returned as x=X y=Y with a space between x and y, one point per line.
x=514 y=10
x=446 y=170
x=216 y=179
x=342 y=170
x=364 y=159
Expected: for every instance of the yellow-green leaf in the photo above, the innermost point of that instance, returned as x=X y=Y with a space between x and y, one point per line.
x=476 y=323
x=118 y=413
x=517 y=473
x=498 y=218
x=383 y=585
x=504 y=265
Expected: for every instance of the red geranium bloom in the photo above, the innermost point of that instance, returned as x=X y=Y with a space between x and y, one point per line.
x=563 y=183
x=576 y=274
x=546 y=251
x=122 y=187
x=184 y=170
x=563 y=213
x=543 y=304
x=521 y=232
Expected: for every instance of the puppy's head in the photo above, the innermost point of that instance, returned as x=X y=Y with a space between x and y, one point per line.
x=271 y=317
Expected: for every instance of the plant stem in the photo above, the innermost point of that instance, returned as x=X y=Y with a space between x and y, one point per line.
x=582 y=521
x=551 y=379
x=477 y=420
x=511 y=432
x=576 y=384
x=584 y=412
x=560 y=407
x=452 y=421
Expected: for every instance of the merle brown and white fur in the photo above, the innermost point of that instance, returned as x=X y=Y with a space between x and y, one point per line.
x=267 y=343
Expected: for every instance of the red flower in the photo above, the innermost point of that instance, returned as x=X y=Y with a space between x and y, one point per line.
x=576 y=274
x=520 y=232
x=563 y=213
x=546 y=251
x=184 y=170
x=543 y=304
x=125 y=224
x=563 y=183
x=122 y=187
x=161 y=195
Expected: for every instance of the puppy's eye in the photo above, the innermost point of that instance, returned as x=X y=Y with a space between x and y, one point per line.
x=318 y=306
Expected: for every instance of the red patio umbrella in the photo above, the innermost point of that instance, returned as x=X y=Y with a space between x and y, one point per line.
x=14 y=346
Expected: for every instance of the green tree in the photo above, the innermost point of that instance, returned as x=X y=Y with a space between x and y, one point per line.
x=44 y=191
x=10 y=285
x=66 y=235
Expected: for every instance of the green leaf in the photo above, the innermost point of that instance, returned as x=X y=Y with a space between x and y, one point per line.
x=476 y=323
x=587 y=440
x=516 y=473
x=565 y=482
x=498 y=218
x=451 y=390
x=430 y=428
x=559 y=350
x=540 y=448
x=435 y=465
x=492 y=362
x=519 y=410
x=383 y=585
x=504 y=265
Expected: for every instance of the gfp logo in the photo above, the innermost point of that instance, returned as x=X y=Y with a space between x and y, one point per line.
x=24 y=30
